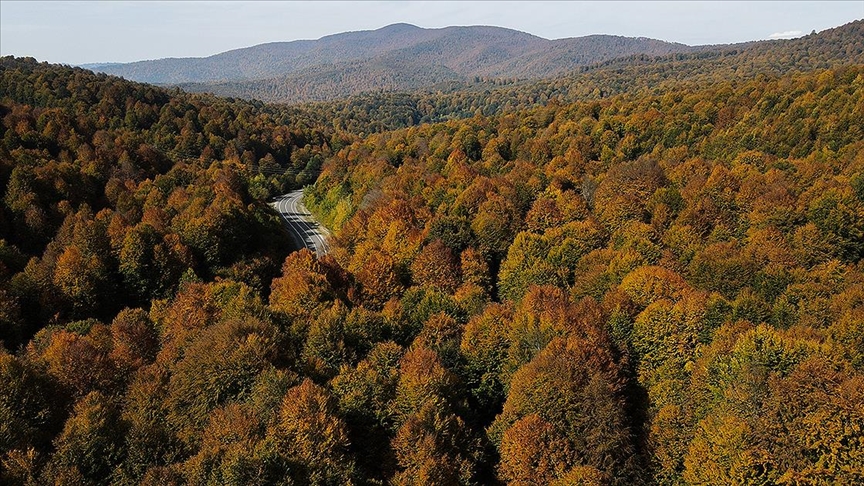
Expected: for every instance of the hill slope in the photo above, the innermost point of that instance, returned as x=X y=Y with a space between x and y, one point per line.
x=557 y=71
x=403 y=55
x=381 y=111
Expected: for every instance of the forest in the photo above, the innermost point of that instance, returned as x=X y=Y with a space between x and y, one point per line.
x=663 y=285
x=379 y=107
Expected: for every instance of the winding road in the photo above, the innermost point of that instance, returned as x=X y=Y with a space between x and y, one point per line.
x=307 y=232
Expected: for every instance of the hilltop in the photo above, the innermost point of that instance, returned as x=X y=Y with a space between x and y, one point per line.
x=399 y=56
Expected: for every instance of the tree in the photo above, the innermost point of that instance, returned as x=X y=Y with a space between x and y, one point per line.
x=31 y=406
x=422 y=378
x=474 y=269
x=665 y=338
x=723 y=268
x=136 y=260
x=151 y=265
x=11 y=322
x=91 y=444
x=329 y=343
x=838 y=215
x=378 y=280
x=442 y=334
x=545 y=313
x=365 y=396
x=578 y=389
x=484 y=346
x=415 y=308
x=772 y=410
x=526 y=264
x=622 y=195
x=151 y=441
x=433 y=447
x=815 y=404
x=648 y=284
x=533 y=452
x=495 y=224
x=313 y=437
x=81 y=279
x=82 y=363
x=544 y=214
x=436 y=267
x=134 y=339
x=582 y=476
x=219 y=365
x=234 y=452
x=570 y=242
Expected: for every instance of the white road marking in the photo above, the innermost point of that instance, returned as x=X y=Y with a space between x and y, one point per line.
x=307 y=232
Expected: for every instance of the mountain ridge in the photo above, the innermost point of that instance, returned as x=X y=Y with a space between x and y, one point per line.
x=467 y=50
x=406 y=58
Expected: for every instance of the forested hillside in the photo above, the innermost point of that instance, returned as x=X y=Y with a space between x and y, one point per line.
x=618 y=65
x=381 y=111
x=396 y=57
x=661 y=283
x=643 y=289
x=452 y=46
x=467 y=55
x=465 y=51
x=115 y=192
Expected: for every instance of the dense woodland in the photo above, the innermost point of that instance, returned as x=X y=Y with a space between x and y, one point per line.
x=661 y=286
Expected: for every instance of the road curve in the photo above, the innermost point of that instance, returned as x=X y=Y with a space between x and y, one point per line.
x=306 y=232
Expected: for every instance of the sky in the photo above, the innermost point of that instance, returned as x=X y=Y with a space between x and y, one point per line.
x=113 y=31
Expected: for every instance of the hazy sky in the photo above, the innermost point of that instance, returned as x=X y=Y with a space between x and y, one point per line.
x=83 y=32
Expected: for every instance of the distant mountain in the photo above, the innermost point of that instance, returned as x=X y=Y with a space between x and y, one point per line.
x=99 y=66
x=639 y=75
x=399 y=56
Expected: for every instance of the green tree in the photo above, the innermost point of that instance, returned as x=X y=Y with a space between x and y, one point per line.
x=91 y=444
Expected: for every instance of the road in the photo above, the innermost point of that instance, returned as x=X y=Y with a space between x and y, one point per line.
x=305 y=231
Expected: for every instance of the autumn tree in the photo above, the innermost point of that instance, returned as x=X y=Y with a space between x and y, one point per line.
x=31 y=406
x=527 y=264
x=578 y=389
x=436 y=266
x=533 y=452
x=303 y=289
x=220 y=364
x=91 y=444
x=433 y=446
x=379 y=280
x=365 y=394
x=313 y=437
x=233 y=451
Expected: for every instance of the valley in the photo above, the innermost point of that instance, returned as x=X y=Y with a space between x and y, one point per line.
x=410 y=256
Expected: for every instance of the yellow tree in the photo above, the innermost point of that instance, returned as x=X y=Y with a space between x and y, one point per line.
x=378 y=280
x=533 y=452
x=91 y=444
x=433 y=447
x=312 y=436
x=303 y=290
x=575 y=386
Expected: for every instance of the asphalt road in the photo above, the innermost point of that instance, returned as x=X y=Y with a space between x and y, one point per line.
x=307 y=232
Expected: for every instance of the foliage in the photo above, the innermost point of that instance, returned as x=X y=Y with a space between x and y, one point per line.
x=659 y=287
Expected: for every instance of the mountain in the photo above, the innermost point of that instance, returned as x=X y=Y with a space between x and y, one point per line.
x=637 y=74
x=399 y=56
